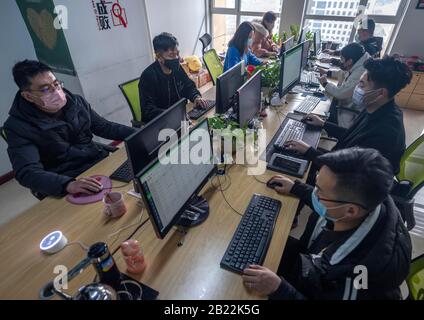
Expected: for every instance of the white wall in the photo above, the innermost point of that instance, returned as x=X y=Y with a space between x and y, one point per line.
x=105 y=59
x=292 y=14
x=183 y=18
x=409 y=40
x=16 y=45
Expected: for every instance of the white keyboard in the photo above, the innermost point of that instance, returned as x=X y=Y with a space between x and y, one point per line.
x=325 y=56
x=308 y=105
x=293 y=130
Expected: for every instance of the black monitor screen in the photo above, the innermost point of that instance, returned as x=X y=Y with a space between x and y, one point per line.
x=303 y=34
x=317 y=42
x=249 y=96
x=167 y=187
x=142 y=147
x=291 y=63
x=305 y=55
x=226 y=87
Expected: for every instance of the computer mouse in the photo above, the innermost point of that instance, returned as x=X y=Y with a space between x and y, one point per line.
x=318 y=94
x=272 y=184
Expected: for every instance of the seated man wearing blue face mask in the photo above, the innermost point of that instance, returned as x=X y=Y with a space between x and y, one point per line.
x=164 y=82
x=380 y=124
x=355 y=245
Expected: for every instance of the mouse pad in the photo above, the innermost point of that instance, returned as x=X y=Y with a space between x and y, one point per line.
x=87 y=199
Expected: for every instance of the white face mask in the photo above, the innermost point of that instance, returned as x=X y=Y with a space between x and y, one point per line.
x=250 y=42
x=360 y=96
x=54 y=101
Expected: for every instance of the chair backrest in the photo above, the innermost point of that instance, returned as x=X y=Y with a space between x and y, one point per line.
x=3 y=134
x=412 y=164
x=213 y=64
x=206 y=40
x=131 y=94
x=415 y=279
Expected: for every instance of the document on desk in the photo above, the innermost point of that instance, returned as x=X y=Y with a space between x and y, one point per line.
x=323 y=65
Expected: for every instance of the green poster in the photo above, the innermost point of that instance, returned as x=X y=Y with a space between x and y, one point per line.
x=49 y=43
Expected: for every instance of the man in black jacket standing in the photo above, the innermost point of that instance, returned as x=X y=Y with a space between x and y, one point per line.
x=50 y=134
x=164 y=82
x=355 y=245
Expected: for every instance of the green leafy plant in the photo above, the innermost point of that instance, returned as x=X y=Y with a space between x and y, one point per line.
x=276 y=38
x=310 y=35
x=270 y=74
x=295 y=31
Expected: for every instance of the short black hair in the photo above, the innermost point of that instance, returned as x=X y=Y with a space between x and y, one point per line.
x=388 y=73
x=241 y=37
x=25 y=70
x=353 y=51
x=269 y=17
x=367 y=24
x=363 y=176
x=164 y=42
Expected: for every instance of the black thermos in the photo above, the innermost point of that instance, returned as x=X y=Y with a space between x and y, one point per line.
x=105 y=265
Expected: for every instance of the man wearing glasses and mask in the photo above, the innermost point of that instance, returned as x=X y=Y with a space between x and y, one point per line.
x=50 y=134
x=164 y=82
x=355 y=245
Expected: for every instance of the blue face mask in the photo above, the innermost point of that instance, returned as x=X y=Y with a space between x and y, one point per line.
x=321 y=209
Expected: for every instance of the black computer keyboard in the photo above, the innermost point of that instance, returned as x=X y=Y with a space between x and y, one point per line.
x=123 y=173
x=253 y=235
x=198 y=112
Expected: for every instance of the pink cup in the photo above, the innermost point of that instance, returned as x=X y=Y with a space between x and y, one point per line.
x=114 y=205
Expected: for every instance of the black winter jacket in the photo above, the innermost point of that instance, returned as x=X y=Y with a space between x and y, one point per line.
x=382 y=130
x=47 y=153
x=159 y=91
x=381 y=244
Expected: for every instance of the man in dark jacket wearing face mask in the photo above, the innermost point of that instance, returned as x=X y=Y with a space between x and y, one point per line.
x=50 y=134
x=355 y=245
x=164 y=82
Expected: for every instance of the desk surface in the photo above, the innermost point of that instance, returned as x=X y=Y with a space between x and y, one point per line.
x=188 y=272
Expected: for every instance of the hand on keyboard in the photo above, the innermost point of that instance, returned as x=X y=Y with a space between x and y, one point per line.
x=261 y=279
x=297 y=146
x=313 y=120
x=281 y=184
x=201 y=103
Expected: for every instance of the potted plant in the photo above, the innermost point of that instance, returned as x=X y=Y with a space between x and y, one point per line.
x=270 y=77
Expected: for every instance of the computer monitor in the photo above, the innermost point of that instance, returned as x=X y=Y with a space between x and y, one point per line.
x=143 y=146
x=168 y=188
x=287 y=45
x=317 y=42
x=305 y=54
x=302 y=36
x=227 y=85
x=291 y=63
x=249 y=99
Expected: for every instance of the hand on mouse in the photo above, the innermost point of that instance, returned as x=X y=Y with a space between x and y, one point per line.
x=313 y=120
x=284 y=184
x=85 y=186
x=298 y=146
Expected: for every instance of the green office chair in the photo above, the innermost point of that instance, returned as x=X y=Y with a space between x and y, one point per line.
x=412 y=166
x=131 y=94
x=415 y=280
x=3 y=134
x=213 y=64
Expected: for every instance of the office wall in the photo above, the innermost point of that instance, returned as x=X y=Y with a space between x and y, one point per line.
x=105 y=59
x=183 y=18
x=16 y=45
x=409 y=40
x=292 y=14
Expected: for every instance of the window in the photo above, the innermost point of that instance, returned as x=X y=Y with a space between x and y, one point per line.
x=321 y=5
x=226 y=15
x=386 y=13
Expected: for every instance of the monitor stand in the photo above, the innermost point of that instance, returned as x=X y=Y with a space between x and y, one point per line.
x=197 y=212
